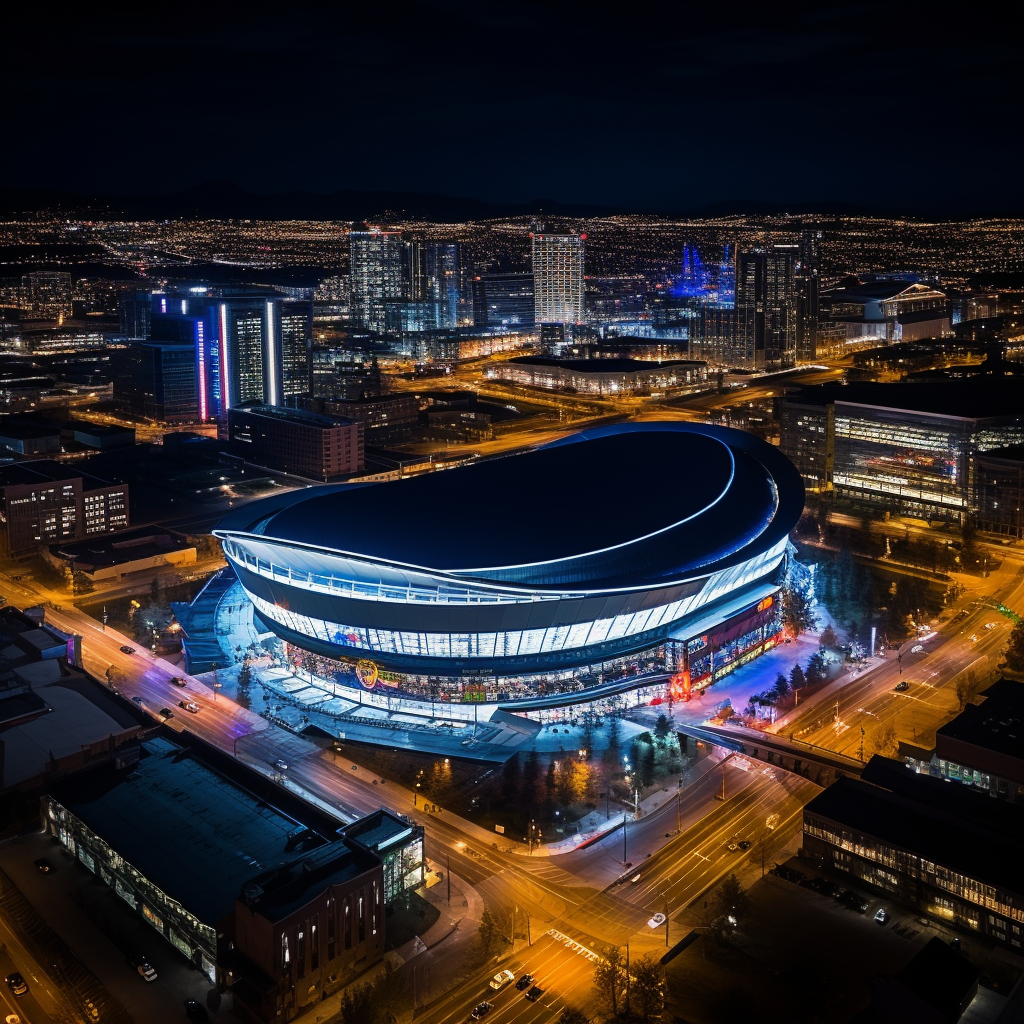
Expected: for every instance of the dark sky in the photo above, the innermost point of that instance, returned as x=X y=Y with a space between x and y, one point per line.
x=644 y=105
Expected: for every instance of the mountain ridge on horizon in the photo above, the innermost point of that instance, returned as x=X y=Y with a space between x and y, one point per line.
x=224 y=200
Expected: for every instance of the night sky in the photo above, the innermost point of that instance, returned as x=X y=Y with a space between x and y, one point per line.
x=645 y=106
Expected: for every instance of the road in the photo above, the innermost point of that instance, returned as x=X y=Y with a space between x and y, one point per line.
x=871 y=702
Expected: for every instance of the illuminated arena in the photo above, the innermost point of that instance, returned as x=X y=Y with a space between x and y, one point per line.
x=572 y=571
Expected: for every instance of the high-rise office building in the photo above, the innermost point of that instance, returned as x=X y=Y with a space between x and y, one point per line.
x=46 y=295
x=157 y=380
x=444 y=281
x=243 y=353
x=766 y=308
x=503 y=300
x=380 y=265
x=805 y=289
x=558 y=278
x=296 y=349
x=135 y=314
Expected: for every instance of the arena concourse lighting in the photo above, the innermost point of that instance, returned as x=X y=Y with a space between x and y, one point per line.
x=560 y=575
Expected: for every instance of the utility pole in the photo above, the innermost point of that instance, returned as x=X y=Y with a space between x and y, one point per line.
x=666 y=923
x=624 y=860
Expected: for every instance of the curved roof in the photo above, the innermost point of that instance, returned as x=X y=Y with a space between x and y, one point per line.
x=628 y=503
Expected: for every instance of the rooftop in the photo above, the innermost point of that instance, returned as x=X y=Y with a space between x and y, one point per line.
x=997 y=724
x=968 y=398
x=605 y=365
x=300 y=416
x=959 y=842
x=192 y=832
x=43 y=471
x=531 y=509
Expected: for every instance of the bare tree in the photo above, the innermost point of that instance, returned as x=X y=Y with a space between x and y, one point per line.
x=646 y=992
x=968 y=686
x=609 y=977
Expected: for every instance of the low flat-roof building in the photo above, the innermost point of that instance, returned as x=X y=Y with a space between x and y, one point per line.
x=983 y=747
x=304 y=443
x=935 y=848
x=114 y=556
x=599 y=376
x=53 y=719
x=245 y=893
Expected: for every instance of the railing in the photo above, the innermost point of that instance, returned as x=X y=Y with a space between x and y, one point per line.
x=341 y=587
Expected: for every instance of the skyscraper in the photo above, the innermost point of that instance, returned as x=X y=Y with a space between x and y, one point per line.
x=806 y=286
x=766 y=308
x=296 y=349
x=245 y=364
x=444 y=281
x=558 y=278
x=377 y=260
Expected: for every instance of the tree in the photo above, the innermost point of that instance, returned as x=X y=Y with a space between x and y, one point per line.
x=645 y=769
x=490 y=934
x=968 y=686
x=796 y=677
x=609 y=977
x=731 y=897
x=828 y=637
x=817 y=669
x=1015 y=648
x=884 y=740
x=510 y=779
x=570 y=1015
x=531 y=773
x=357 y=1005
x=645 y=988
x=796 y=610
x=388 y=993
x=781 y=685
x=81 y=584
x=662 y=727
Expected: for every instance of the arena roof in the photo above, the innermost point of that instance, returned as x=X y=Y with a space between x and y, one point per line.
x=677 y=496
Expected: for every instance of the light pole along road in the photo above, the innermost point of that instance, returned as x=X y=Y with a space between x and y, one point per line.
x=577 y=893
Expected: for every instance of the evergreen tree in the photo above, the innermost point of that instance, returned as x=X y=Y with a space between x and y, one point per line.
x=828 y=637
x=796 y=677
x=662 y=727
x=781 y=685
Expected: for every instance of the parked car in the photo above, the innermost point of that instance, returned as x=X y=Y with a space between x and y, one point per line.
x=142 y=966
x=16 y=983
x=195 y=1010
x=882 y=917
x=281 y=766
x=524 y=982
x=189 y=705
x=501 y=979
x=125 y=649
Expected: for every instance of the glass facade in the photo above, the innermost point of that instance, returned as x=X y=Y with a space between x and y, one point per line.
x=192 y=937
x=913 y=879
